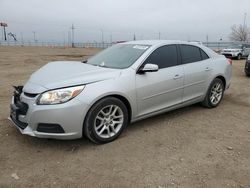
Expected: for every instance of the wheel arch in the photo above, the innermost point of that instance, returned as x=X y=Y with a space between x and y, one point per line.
x=222 y=78
x=125 y=101
x=118 y=96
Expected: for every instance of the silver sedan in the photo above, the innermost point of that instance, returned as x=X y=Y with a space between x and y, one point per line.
x=122 y=84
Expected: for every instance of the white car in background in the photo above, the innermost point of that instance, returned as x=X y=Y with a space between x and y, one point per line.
x=236 y=51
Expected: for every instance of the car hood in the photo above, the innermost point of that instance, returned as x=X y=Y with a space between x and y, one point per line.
x=67 y=73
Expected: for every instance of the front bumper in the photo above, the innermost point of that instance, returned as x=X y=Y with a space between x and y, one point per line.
x=230 y=54
x=66 y=119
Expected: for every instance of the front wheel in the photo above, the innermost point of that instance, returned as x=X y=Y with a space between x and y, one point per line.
x=214 y=94
x=106 y=120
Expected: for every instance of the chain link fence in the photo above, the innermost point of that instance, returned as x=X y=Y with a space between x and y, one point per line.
x=217 y=46
x=56 y=44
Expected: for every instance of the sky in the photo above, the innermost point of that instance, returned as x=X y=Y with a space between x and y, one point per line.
x=120 y=20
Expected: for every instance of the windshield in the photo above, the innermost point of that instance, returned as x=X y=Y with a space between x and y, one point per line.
x=235 y=47
x=119 y=56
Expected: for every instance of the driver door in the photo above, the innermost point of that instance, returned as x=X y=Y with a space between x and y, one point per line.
x=161 y=89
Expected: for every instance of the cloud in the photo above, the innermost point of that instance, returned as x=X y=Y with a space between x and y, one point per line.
x=174 y=19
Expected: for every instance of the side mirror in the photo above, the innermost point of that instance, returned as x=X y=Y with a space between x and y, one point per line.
x=149 y=68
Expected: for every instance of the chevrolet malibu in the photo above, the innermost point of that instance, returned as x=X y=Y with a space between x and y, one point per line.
x=125 y=83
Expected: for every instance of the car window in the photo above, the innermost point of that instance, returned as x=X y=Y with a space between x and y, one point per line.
x=203 y=55
x=165 y=56
x=190 y=54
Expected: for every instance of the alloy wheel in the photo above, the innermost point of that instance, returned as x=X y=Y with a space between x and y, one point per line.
x=216 y=93
x=109 y=121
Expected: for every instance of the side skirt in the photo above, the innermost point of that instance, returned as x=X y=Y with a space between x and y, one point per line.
x=170 y=108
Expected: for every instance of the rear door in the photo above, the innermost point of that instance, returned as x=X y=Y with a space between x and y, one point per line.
x=161 y=89
x=197 y=70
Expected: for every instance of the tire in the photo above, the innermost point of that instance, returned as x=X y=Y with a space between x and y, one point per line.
x=106 y=120
x=247 y=74
x=239 y=57
x=214 y=94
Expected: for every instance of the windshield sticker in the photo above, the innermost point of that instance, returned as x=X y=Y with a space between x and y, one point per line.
x=140 y=47
x=102 y=64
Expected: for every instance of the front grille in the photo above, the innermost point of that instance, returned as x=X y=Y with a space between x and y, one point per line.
x=21 y=107
x=18 y=108
x=20 y=124
x=50 y=128
x=30 y=95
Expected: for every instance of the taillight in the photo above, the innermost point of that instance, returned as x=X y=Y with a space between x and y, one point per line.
x=230 y=61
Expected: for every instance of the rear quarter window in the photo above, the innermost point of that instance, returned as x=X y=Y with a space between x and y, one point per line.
x=191 y=54
x=204 y=55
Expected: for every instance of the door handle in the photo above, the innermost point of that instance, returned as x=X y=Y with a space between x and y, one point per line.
x=208 y=69
x=177 y=76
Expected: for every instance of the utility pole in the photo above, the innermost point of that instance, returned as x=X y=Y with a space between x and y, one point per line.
x=244 y=22
x=72 y=28
x=34 y=35
x=142 y=36
x=207 y=40
x=21 y=37
x=111 y=38
x=4 y=31
x=159 y=35
x=102 y=35
x=2 y=35
x=69 y=39
x=134 y=37
x=64 y=39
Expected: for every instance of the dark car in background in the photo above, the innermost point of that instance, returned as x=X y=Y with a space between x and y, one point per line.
x=247 y=66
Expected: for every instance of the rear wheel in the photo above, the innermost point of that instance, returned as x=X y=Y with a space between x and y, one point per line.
x=214 y=94
x=106 y=120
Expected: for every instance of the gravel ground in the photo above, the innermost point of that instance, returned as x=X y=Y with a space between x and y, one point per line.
x=190 y=147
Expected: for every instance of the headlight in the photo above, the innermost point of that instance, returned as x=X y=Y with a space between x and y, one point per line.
x=59 y=95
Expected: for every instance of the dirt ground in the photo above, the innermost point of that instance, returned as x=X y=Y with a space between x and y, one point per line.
x=190 y=147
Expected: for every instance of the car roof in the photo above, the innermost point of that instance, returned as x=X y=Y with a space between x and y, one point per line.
x=156 y=43
x=160 y=42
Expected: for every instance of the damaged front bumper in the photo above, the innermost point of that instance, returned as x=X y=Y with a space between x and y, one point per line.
x=46 y=121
